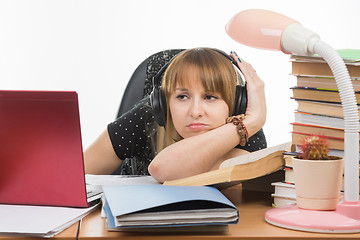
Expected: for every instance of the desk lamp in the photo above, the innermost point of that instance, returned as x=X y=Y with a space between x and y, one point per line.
x=272 y=31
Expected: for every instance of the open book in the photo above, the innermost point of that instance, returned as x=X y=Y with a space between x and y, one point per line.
x=240 y=169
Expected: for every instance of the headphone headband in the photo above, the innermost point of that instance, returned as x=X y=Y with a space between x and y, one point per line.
x=156 y=80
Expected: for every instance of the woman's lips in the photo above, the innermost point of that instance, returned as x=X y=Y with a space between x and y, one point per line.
x=196 y=126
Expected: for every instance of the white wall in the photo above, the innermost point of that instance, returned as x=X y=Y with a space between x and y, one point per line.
x=93 y=47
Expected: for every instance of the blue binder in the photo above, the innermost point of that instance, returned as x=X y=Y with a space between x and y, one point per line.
x=141 y=206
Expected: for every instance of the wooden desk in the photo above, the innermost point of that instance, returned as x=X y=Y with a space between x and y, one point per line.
x=251 y=226
x=67 y=234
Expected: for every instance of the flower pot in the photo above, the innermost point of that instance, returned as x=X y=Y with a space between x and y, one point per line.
x=318 y=183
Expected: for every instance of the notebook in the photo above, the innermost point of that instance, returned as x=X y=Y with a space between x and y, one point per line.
x=41 y=154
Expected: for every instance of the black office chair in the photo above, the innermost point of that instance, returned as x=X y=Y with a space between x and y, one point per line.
x=139 y=86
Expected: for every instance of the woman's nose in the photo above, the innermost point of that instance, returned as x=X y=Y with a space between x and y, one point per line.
x=197 y=109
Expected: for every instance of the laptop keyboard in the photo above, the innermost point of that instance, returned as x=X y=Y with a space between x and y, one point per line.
x=93 y=192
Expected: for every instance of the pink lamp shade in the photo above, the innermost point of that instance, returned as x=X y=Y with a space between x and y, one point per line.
x=258 y=28
x=269 y=30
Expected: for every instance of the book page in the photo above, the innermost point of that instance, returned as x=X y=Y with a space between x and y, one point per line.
x=100 y=180
x=251 y=157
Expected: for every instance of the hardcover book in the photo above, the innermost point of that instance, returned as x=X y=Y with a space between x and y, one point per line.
x=322 y=95
x=321 y=69
x=284 y=194
x=321 y=108
x=334 y=143
x=318 y=130
x=323 y=82
x=320 y=120
x=350 y=56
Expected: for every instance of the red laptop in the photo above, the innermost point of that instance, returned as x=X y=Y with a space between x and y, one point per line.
x=41 y=156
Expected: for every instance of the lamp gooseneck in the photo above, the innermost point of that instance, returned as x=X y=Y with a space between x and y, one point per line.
x=351 y=115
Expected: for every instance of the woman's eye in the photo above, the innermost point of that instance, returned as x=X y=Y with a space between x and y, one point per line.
x=181 y=96
x=211 y=97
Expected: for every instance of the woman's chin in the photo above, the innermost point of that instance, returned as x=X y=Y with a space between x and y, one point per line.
x=194 y=133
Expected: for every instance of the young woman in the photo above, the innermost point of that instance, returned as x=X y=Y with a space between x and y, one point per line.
x=199 y=86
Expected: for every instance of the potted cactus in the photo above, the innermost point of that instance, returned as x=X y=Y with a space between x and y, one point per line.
x=317 y=176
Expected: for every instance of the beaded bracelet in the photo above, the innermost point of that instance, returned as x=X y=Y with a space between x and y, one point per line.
x=242 y=131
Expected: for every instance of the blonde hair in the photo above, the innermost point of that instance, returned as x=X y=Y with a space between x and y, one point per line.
x=213 y=69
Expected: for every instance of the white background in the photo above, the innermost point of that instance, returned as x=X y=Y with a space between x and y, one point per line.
x=93 y=47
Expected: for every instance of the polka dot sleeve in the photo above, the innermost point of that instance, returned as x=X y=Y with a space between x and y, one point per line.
x=128 y=133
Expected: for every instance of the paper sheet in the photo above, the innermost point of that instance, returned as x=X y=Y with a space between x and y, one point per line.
x=41 y=221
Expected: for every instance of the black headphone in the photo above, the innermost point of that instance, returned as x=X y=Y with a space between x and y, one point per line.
x=158 y=100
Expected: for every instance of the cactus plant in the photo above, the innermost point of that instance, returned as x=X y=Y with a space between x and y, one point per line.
x=318 y=176
x=314 y=148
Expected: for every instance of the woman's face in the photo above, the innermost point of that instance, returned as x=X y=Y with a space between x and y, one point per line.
x=195 y=111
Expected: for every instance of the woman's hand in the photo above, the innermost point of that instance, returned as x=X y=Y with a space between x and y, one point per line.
x=255 y=115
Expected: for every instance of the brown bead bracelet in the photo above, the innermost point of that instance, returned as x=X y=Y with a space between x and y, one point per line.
x=238 y=122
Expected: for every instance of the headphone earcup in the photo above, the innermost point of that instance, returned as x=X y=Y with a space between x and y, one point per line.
x=240 y=100
x=158 y=104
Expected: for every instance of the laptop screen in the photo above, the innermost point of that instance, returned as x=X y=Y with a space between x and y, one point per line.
x=41 y=149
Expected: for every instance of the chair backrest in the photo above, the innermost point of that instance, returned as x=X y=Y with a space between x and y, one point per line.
x=134 y=90
x=140 y=83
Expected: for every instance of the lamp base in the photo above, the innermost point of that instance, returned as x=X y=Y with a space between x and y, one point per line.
x=295 y=218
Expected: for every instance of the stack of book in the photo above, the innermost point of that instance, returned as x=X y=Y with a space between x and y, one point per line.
x=319 y=108
x=284 y=193
x=319 y=111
